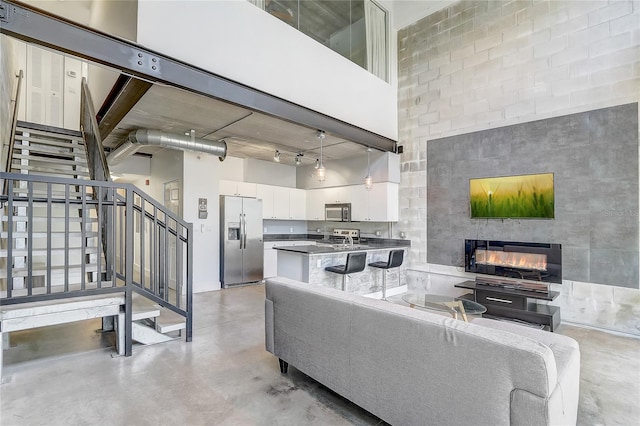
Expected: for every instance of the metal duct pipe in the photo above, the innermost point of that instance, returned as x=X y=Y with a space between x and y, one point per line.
x=139 y=138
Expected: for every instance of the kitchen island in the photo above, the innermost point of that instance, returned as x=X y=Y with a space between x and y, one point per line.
x=307 y=263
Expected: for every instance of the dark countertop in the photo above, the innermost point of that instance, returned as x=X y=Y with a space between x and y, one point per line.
x=373 y=243
x=326 y=249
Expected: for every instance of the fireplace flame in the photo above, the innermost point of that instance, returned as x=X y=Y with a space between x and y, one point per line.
x=512 y=259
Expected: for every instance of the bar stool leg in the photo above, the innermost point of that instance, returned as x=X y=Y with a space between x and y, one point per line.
x=384 y=284
x=344 y=282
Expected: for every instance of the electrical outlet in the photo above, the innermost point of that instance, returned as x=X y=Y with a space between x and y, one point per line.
x=319 y=263
x=265 y=229
x=290 y=229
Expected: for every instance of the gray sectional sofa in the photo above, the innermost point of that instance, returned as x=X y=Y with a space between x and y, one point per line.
x=412 y=367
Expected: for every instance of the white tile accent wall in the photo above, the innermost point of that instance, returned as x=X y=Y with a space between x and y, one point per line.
x=484 y=64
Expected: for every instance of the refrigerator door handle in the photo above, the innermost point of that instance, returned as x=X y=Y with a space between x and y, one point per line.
x=244 y=218
x=241 y=231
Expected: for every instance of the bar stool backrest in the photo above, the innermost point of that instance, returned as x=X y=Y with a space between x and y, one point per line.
x=395 y=258
x=355 y=262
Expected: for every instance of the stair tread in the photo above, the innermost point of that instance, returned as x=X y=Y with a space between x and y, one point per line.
x=49 y=170
x=20 y=218
x=48 y=150
x=56 y=270
x=43 y=252
x=143 y=308
x=52 y=140
x=22 y=234
x=58 y=305
x=77 y=203
x=169 y=321
x=42 y=193
x=26 y=126
x=39 y=159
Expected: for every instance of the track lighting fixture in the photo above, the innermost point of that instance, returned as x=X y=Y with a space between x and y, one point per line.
x=317 y=163
x=298 y=159
x=276 y=156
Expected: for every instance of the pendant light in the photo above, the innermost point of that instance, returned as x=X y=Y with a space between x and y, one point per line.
x=368 y=180
x=321 y=170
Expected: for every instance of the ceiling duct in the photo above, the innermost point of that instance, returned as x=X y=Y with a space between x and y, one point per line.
x=145 y=137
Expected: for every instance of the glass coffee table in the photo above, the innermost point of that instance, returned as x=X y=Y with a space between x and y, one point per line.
x=450 y=304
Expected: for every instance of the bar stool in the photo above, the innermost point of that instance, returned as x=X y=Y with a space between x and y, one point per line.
x=355 y=263
x=395 y=260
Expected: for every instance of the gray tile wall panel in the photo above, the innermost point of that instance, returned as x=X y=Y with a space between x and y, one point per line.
x=594 y=158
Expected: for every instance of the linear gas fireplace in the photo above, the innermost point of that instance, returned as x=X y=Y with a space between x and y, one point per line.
x=530 y=266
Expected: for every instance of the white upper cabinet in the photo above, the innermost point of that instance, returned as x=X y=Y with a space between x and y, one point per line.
x=359 y=197
x=379 y=204
x=281 y=202
x=240 y=189
x=315 y=204
x=265 y=193
x=336 y=195
x=297 y=204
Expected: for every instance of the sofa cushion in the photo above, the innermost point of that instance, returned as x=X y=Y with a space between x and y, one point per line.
x=564 y=348
x=563 y=403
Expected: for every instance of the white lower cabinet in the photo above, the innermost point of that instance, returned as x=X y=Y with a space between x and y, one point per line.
x=270 y=266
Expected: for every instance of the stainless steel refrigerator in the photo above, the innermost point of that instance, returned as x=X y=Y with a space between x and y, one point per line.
x=241 y=246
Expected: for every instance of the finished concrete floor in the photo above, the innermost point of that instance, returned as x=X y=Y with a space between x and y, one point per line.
x=67 y=375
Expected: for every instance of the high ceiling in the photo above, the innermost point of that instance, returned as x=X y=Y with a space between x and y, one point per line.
x=248 y=134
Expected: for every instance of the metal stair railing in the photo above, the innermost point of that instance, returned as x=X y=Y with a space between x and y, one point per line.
x=12 y=134
x=152 y=247
x=96 y=158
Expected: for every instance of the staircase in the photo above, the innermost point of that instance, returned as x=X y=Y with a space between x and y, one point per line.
x=53 y=244
x=64 y=237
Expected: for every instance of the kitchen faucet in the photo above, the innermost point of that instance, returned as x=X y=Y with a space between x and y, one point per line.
x=350 y=238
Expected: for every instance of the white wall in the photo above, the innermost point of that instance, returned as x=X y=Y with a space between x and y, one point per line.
x=239 y=41
x=166 y=166
x=119 y=18
x=232 y=168
x=384 y=167
x=201 y=176
x=269 y=173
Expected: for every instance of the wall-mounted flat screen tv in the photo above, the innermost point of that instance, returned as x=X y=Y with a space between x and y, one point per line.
x=512 y=197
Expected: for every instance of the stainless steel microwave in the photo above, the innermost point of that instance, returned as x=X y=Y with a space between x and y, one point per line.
x=337 y=212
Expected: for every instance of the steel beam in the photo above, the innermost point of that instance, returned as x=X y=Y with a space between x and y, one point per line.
x=37 y=27
x=124 y=95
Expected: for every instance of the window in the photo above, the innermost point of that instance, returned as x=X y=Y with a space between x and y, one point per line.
x=356 y=29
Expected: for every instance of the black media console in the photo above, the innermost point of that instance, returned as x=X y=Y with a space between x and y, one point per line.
x=511 y=302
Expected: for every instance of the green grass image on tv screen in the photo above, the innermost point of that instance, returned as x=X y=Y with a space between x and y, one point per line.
x=526 y=196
